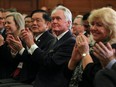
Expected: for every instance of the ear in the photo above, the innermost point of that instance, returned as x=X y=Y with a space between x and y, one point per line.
x=48 y=24
x=68 y=23
x=17 y=26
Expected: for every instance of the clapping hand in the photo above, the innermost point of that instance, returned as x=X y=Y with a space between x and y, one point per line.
x=105 y=53
x=82 y=43
x=14 y=43
x=27 y=36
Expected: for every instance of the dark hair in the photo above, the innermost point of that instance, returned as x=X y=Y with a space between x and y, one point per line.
x=85 y=16
x=46 y=16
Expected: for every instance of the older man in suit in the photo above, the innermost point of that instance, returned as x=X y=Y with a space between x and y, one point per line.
x=52 y=63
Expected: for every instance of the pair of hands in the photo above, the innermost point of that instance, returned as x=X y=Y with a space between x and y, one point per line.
x=105 y=53
x=81 y=46
x=15 y=42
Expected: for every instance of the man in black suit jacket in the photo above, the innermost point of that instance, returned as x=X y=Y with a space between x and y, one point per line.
x=107 y=55
x=42 y=38
x=106 y=77
x=52 y=63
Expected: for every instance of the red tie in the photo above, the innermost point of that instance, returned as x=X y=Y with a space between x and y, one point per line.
x=17 y=70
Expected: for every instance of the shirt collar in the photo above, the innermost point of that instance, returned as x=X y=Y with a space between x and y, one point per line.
x=2 y=30
x=37 y=37
x=61 y=35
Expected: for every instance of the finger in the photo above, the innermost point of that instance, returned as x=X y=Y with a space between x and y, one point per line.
x=77 y=40
x=85 y=39
x=109 y=46
x=100 y=48
x=98 y=55
x=81 y=39
x=27 y=29
x=17 y=38
x=23 y=34
x=96 y=50
x=104 y=48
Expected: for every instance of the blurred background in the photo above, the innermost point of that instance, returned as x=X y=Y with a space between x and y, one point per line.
x=76 y=6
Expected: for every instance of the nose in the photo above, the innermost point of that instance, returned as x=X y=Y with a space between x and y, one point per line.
x=93 y=27
x=6 y=24
x=73 y=26
x=34 y=22
x=54 y=20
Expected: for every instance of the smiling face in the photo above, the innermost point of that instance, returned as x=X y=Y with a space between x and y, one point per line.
x=39 y=25
x=99 y=31
x=11 y=27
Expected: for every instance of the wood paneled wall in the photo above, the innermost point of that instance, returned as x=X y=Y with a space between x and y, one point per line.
x=76 y=6
x=23 y=6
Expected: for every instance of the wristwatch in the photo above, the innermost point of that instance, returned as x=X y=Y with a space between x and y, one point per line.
x=84 y=54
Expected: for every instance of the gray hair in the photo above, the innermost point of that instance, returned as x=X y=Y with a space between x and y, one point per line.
x=67 y=14
x=81 y=17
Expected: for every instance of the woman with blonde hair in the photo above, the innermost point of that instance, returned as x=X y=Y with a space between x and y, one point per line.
x=103 y=29
x=14 y=22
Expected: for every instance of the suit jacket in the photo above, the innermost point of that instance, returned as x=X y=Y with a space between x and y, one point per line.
x=7 y=63
x=4 y=33
x=52 y=64
x=30 y=68
x=106 y=77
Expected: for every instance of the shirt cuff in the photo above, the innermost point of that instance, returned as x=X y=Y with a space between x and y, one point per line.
x=32 y=48
x=110 y=64
x=21 y=51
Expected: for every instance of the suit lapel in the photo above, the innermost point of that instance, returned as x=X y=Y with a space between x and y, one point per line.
x=41 y=39
x=63 y=39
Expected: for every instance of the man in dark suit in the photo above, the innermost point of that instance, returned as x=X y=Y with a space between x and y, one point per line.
x=106 y=78
x=42 y=39
x=52 y=63
x=107 y=55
